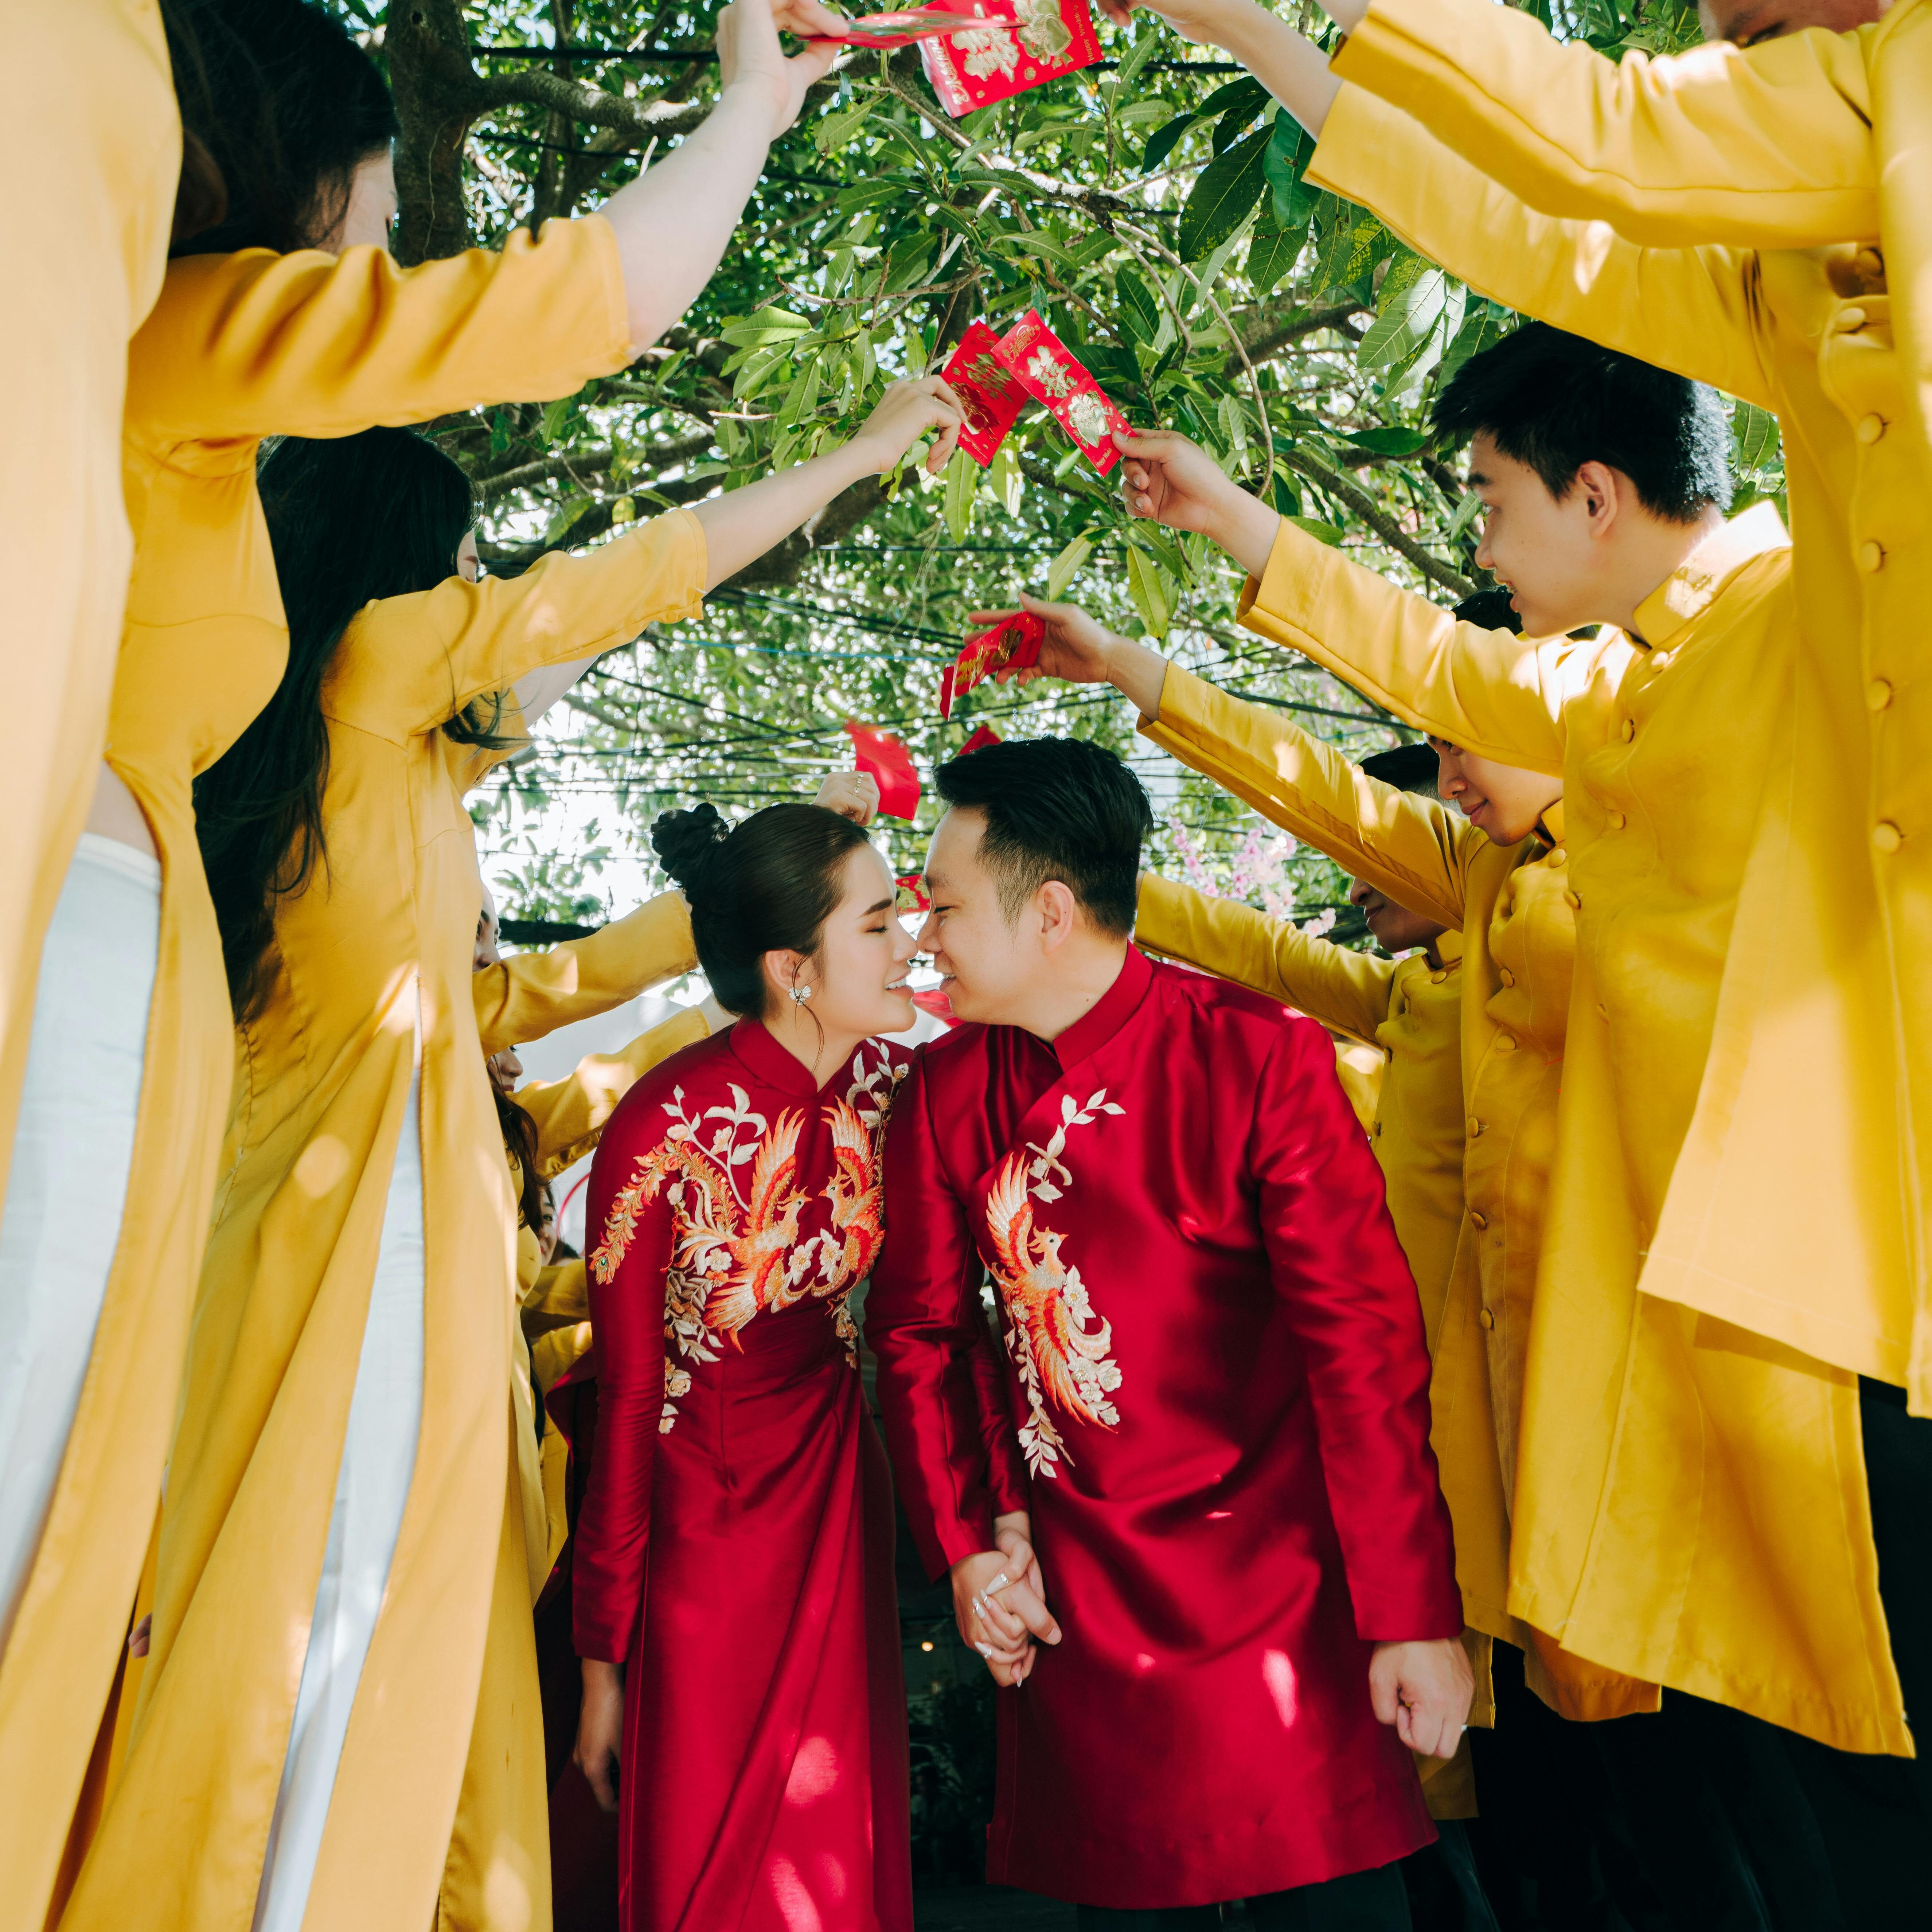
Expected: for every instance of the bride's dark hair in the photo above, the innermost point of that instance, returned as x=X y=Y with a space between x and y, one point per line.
x=766 y=886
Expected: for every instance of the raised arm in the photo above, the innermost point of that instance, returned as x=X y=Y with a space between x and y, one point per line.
x=1693 y=310
x=1347 y=1294
x=1770 y=148
x=1347 y=990
x=521 y=999
x=1486 y=690
x=955 y=1466
x=570 y=1113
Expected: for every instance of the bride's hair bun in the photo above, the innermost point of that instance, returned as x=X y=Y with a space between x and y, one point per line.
x=686 y=841
x=767 y=885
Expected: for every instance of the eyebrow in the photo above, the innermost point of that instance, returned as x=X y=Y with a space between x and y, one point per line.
x=1477 y=479
x=884 y=905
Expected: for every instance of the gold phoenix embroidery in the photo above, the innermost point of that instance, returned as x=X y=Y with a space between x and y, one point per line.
x=734 y=1254
x=1061 y=1350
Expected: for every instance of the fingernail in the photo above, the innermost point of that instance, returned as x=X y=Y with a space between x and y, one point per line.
x=984 y=1649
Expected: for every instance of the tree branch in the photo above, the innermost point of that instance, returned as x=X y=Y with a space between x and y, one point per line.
x=1372 y=513
x=642 y=120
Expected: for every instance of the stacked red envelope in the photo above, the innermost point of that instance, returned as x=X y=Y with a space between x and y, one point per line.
x=995 y=375
x=1016 y=44
x=1045 y=368
x=1012 y=644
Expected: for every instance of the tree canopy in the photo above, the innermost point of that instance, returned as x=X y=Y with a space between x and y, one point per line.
x=1153 y=209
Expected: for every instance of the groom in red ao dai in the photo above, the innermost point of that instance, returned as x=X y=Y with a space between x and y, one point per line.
x=1213 y=1402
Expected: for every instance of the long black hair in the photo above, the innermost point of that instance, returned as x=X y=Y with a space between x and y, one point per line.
x=283 y=106
x=767 y=886
x=353 y=519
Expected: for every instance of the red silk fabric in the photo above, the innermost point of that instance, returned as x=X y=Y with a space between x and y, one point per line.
x=1214 y=1346
x=736 y=1544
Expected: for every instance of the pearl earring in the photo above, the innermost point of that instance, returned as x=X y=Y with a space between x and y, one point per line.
x=800 y=994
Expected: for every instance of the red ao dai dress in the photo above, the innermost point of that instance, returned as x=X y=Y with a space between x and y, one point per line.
x=735 y=1548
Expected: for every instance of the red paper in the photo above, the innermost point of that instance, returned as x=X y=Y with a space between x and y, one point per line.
x=934 y=1000
x=1045 y=368
x=994 y=398
x=889 y=761
x=979 y=740
x=900 y=29
x=1012 y=644
x=912 y=895
x=1022 y=43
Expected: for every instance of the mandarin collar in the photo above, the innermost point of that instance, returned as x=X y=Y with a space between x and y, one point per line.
x=1688 y=591
x=1449 y=949
x=1107 y=1016
x=1551 y=823
x=751 y=1041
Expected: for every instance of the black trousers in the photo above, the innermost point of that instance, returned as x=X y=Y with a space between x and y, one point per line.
x=1875 y=1812
x=1366 y=1901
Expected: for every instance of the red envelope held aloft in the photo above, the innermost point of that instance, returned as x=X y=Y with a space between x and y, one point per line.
x=1013 y=45
x=993 y=395
x=979 y=740
x=1012 y=644
x=1045 y=368
x=889 y=761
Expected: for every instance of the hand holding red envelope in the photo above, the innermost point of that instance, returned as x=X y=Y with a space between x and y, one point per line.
x=889 y=761
x=1011 y=45
x=1012 y=644
x=1045 y=368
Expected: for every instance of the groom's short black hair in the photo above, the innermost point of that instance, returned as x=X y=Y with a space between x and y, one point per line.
x=1056 y=809
x=1554 y=401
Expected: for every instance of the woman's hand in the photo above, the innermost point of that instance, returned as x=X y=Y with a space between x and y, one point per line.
x=749 y=56
x=1205 y=21
x=853 y=795
x=1082 y=651
x=905 y=413
x=1166 y=479
x=600 y=1730
x=1424 y=1689
x=998 y=1604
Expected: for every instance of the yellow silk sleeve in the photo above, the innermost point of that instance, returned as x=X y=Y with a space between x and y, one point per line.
x=561 y=1294
x=1486 y=690
x=525 y=997
x=308 y=344
x=553 y=1356
x=406 y=663
x=1768 y=148
x=1694 y=310
x=1410 y=848
x=1348 y=992
x=570 y=1113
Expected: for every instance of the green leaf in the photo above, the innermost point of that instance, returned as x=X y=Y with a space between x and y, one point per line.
x=1227 y=190
x=1150 y=598
x=1467 y=511
x=1067 y=565
x=1288 y=152
x=1272 y=251
x=1754 y=439
x=1005 y=478
x=1163 y=141
x=1486 y=323
x=1140 y=307
x=1394 y=441
x=962 y=479
x=834 y=130
x=1328 y=533
x=1349 y=242
x=770 y=324
x=1143 y=52
x=1287 y=497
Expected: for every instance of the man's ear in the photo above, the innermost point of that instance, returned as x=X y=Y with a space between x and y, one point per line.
x=1057 y=911
x=1602 y=491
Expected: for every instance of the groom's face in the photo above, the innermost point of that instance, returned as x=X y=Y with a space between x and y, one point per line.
x=983 y=957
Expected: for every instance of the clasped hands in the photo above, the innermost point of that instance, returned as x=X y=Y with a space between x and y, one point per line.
x=999 y=1601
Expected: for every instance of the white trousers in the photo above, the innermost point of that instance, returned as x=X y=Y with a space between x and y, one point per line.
x=379 y=1454
x=68 y=1184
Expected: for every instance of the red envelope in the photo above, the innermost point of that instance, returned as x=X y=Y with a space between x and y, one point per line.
x=889 y=761
x=901 y=28
x=1021 y=43
x=912 y=895
x=994 y=399
x=1012 y=644
x=979 y=740
x=1045 y=367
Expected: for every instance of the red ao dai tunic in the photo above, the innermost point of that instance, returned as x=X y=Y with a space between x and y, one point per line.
x=1216 y=1405
x=735 y=1550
